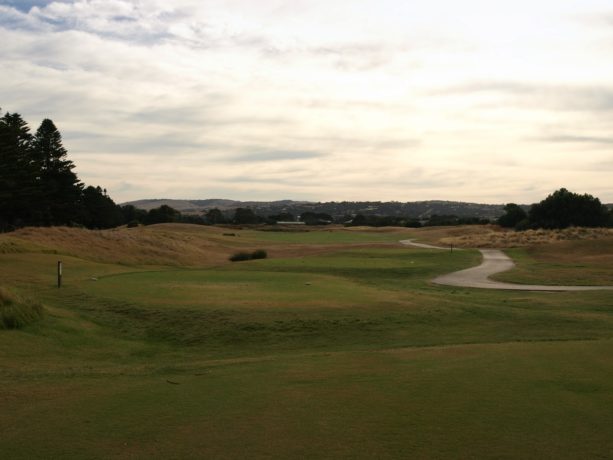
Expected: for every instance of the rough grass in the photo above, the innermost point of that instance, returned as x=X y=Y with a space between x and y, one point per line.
x=436 y=235
x=499 y=238
x=179 y=244
x=17 y=312
x=582 y=262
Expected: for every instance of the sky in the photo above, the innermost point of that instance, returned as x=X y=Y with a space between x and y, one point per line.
x=485 y=101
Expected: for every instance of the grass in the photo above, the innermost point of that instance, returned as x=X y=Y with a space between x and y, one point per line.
x=325 y=236
x=345 y=353
x=164 y=244
x=17 y=312
x=495 y=237
x=585 y=262
x=436 y=402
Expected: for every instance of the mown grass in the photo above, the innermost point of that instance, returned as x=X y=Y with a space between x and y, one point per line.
x=324 y=236
x=346 y=354
x=515 y=400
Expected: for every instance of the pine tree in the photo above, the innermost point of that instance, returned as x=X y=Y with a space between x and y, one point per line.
x=100 y=210
x=17 y=172
x=60 y=187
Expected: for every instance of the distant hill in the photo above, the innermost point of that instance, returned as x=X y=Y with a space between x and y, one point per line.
x=337 y=209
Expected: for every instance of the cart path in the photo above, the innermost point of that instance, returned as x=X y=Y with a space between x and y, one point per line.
x=494 y=261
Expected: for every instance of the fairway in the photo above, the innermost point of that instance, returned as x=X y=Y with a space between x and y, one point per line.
x=344 y=352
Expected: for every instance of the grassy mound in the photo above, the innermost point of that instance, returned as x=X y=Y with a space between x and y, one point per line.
x=16 y=312
x=178 y=245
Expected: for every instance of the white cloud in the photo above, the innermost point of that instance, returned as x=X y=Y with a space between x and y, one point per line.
x=344 y=100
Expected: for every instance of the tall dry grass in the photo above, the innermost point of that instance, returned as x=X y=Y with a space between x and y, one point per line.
x=497 y=238
x=17 y=312
x=177 y=245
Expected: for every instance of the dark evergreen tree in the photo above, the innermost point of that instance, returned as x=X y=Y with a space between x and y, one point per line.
x=513 y=215
x=214 y=216
x=563 y=209
x=18 y=189
x=132 y=214
x=99 y=210
x=281 y=217
x=359 y=221
x=60 y=188
x=191 y=219
x=38 y=185
x=316 y=218
x=161 y=215
x=245 y=216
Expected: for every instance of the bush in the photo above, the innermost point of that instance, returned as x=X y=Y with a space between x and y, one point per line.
x=259 y=254
x=16 y=312
x=133 y=223
x=240 y=256
x=522 y=225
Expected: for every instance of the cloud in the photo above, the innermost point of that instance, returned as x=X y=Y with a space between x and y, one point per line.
x=350 y=56
x=276 y=156
x=571 y=97
x=26 y=5
x=341 y=100
x=113 y=19
x=574 y=139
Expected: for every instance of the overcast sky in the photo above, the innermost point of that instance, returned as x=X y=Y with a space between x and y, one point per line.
x=488 y=101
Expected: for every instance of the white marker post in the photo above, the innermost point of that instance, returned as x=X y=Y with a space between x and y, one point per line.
x=59 y=273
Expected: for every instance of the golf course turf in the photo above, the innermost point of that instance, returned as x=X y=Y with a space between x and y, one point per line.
x=336 y=346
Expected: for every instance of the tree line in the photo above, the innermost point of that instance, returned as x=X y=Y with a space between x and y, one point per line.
x=38 y=185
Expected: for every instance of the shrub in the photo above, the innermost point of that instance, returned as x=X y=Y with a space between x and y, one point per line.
x=133 y=223
x=522 y=225
x=259 y=254
x=16 y=312
x=240 y=256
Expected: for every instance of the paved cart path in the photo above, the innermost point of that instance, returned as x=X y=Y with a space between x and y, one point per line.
x=494 y=261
